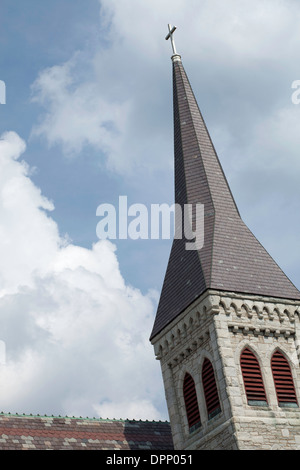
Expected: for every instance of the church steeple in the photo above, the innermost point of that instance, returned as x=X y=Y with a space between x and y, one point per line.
x=227 y=328
x=231 y=258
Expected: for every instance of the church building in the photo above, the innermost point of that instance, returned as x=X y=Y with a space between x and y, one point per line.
x=227 y=327
x=226 y=332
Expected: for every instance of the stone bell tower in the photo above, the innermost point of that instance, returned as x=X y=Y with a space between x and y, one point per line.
x=227 y=327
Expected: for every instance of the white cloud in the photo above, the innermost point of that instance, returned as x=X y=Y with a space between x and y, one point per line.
x=242 y=57
x=77 y=113
x=143 y=409
x=245 y=29
x=76 y=335
x=24 y=220
x=117 y=97
x=104 y=110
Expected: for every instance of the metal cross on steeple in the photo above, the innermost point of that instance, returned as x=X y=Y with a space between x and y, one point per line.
x=170 y=35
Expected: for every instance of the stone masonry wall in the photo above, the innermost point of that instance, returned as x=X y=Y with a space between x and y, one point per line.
x=218 y=326
x=182 y=348
x=263 y=325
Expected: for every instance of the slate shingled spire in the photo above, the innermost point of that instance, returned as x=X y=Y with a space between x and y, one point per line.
x=231 y=259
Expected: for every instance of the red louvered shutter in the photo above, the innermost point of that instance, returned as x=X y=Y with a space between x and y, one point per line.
x=191 y=403
x=210 y=389
x=284 y=384
x=253 y=382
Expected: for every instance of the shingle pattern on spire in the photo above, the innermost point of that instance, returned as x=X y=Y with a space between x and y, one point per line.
x=232 y=259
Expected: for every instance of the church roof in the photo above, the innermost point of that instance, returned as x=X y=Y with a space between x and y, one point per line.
x=231 y=259
x=18 y=432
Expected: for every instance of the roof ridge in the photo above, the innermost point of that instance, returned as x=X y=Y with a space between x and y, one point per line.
x=123 y=420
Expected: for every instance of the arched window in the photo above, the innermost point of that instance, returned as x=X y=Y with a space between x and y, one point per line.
x=191 y=403
x=253 y=381
x=283 y=380
x=210 y=389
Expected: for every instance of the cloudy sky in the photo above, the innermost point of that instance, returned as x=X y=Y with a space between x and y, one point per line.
x=88 y=118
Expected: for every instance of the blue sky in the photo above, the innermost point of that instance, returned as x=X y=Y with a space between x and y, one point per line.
x=89 y=94
x=37 y=36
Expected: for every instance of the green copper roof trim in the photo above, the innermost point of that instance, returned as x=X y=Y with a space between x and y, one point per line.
x=23 y=415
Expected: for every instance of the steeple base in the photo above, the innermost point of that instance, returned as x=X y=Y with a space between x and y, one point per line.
x=218 y=327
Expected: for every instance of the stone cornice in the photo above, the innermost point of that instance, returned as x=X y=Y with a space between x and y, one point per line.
x=246 y=314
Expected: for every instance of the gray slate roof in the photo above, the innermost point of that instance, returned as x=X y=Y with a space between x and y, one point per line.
x=232 y=259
